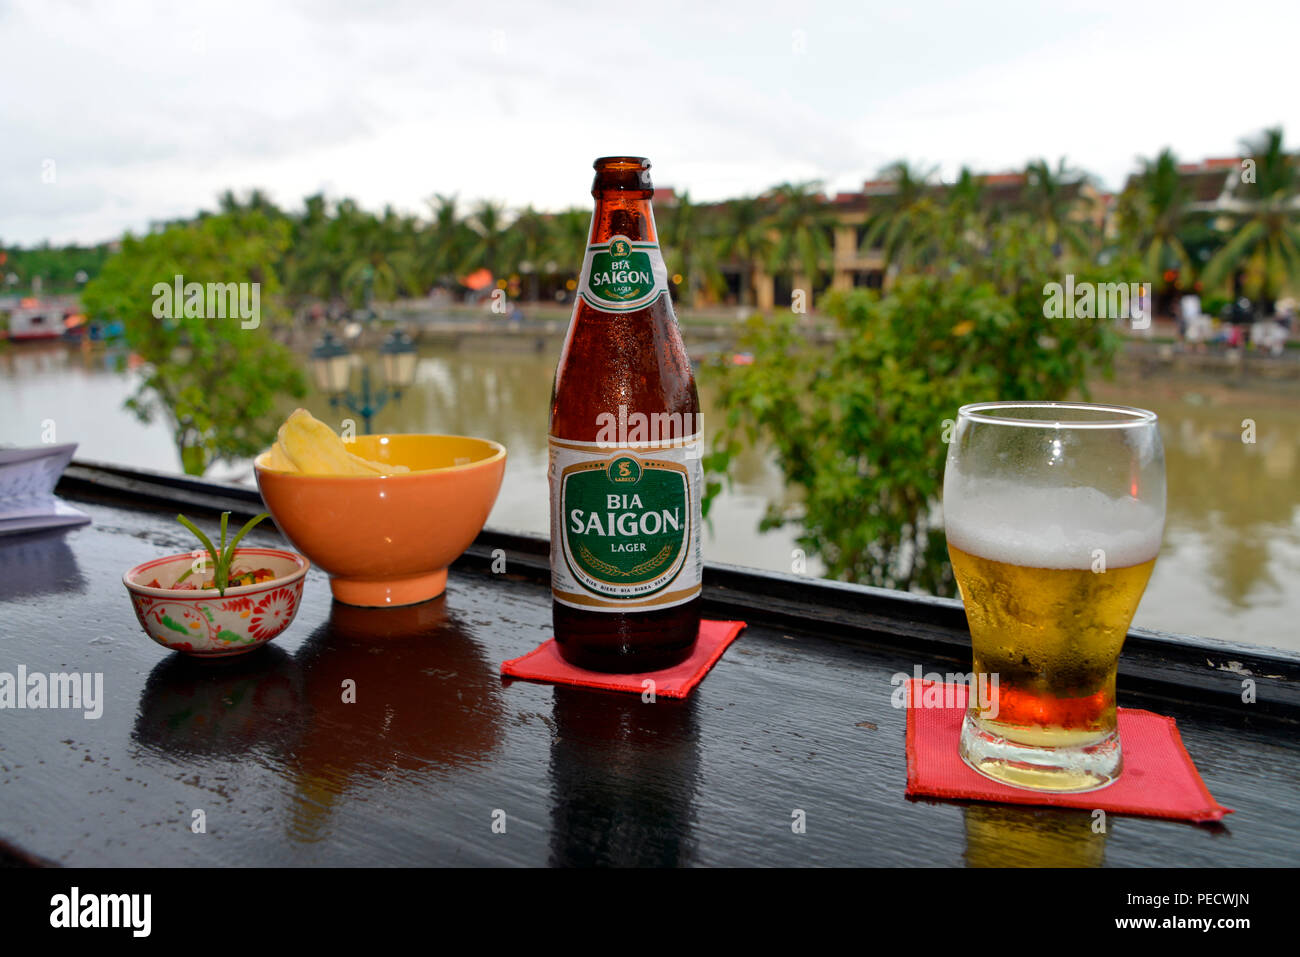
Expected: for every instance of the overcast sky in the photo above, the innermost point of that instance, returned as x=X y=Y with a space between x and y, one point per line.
x=143 y=111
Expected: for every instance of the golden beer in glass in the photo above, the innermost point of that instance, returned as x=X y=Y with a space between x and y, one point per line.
x=1054 y=514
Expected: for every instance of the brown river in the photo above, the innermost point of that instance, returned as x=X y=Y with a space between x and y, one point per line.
x=1229 y=566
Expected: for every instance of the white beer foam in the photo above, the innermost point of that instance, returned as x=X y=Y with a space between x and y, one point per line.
x=1050 y=527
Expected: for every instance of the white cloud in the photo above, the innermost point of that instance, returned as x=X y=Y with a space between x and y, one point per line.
x=150 y=111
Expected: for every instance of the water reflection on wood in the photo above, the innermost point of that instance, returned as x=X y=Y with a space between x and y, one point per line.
x=394 y=695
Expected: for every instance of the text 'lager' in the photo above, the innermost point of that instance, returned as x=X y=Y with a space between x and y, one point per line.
x=625 y=471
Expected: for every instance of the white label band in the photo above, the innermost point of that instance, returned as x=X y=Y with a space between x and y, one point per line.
x=622 y=275
x=625 y=524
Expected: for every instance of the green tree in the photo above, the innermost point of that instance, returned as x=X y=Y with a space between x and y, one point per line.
x=1264 y=247
x=967 y=193
x=254 y=201
x=489 y=247
x=745 y=237
x=442 y=247
x=381 y=254
x=62 y=269
x=1153 y=216
x=967 y=221
x=907 y=225
x=858 y=426
x=691 y=251
x=569 y=236
x=1052 y=198
x=317 y=258
x=530 y=247
x=803 y=226
x=217 y=383
x=568 y=241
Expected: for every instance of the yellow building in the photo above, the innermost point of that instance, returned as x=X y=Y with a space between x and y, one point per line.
x=851 y=264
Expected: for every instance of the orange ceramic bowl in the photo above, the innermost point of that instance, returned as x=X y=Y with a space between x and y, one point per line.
x=388 y=539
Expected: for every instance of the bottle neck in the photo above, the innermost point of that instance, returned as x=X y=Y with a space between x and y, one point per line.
x=623 y=267
x=623 y=214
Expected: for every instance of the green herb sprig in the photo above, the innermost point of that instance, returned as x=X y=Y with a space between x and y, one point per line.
x=223 y=555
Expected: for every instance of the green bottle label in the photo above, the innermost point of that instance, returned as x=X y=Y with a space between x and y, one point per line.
x=625 y=525
x=621 y=275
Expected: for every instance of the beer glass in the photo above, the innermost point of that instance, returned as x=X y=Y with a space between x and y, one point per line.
x=1054 y=513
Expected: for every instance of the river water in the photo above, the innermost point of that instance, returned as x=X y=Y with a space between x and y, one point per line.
x=1229 y=566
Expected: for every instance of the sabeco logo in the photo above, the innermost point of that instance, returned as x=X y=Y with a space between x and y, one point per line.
x=625 y=470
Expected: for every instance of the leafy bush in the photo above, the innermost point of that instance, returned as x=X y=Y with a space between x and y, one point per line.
x=217 y=382
x=859 y=426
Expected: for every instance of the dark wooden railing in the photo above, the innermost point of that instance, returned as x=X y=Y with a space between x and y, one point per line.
x=797 y=716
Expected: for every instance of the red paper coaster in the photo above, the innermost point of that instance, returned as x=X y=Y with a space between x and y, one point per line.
x=1158 y=780
x=545 y=664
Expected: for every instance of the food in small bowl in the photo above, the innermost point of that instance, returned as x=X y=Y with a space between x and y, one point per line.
x=217 y=601
x=383 y=514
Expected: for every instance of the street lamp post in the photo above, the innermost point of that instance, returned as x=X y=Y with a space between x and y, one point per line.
x=367 y=293
x=331 y=363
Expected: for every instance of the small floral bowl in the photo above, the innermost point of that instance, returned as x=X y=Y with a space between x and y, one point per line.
x=206 y=623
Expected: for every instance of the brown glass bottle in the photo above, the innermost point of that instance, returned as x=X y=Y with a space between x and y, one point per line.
x=624 y=433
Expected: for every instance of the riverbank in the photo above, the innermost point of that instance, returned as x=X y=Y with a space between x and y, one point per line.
x=1228 y=568
x=539 y=327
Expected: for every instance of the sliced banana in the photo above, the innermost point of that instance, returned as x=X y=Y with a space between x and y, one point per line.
x=313 y=449
x=277 y=461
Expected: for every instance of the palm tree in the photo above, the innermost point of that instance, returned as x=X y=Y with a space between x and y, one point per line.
x=962 y=232
x=1153 y=211
x=1263 y=253
x=744 y=235
x=1051 y=198
x=530 y=245
x=443 y=245
x=489 y=246
x=691 y=252
x=569 y=232
x=380 y=253
x=258 y=201
x=315 y=261
x=804 y=226
x=906 y=224
x=966 y=195
x=568 y=242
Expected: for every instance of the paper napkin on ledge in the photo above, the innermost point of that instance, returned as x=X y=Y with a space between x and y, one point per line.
x=27 y=480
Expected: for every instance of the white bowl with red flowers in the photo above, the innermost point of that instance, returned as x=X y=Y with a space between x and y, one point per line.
x=212 y=608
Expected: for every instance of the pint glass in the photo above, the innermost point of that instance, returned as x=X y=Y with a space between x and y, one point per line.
x=1054 y=513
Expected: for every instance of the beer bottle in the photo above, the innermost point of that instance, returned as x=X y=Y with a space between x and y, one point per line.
x=625 y=471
